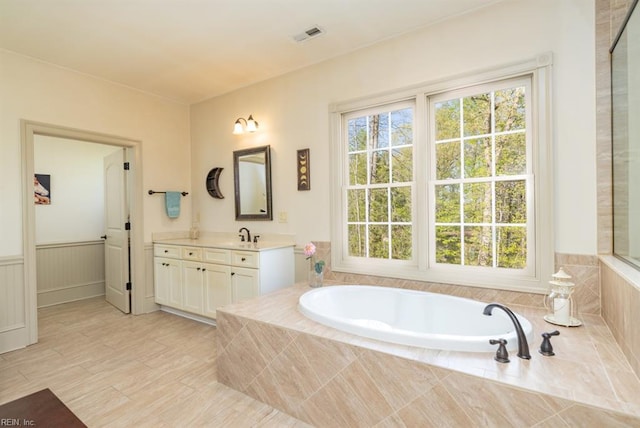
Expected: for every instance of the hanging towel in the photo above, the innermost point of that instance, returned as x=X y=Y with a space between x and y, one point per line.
x=172 y=204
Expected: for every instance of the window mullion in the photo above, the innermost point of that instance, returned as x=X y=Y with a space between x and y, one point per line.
x=461 y=189
x=494 y=228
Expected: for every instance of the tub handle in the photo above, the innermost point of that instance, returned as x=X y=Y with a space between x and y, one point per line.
x=545 y=348
x=502 y=356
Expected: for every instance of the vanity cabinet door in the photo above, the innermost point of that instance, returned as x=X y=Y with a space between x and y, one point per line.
x=245 y=283
x=193 y=277
x=217 y=288
x=168 y=281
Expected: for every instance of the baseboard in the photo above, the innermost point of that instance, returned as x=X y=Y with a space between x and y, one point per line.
x=70 y=294
x=191 y=316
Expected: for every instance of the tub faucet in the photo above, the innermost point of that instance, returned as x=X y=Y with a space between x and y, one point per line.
x=248 y=234
x=523 y=345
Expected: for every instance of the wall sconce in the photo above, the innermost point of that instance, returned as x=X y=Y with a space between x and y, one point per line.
x=250 y=125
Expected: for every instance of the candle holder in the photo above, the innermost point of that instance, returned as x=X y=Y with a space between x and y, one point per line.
x=560 y=302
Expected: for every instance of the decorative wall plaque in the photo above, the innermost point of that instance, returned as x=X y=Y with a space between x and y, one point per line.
x=304 y=172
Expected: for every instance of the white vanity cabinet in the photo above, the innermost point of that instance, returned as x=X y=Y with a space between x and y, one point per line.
x=199 y=279
x=167 y=271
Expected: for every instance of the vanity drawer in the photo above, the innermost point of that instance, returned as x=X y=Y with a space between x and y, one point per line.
x=245 y=259
x=217 y=255
x=192 y=253
x=170 y=251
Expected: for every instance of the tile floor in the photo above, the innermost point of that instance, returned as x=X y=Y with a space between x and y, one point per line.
x=116 y=370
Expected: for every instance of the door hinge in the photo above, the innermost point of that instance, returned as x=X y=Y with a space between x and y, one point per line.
x=128 y=286
x=127 y=226
x=126 y=166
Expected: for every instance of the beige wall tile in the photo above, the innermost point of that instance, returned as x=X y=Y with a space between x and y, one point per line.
x=497 y=405
x=399 y=380
x=273 y=390
x=436 y=408
x=269 y=340
x=228 y=328
x=554 y=421
x=240 y=362
x=326 y=357
x=621 y=311
x=349 y=399
x=585 y=416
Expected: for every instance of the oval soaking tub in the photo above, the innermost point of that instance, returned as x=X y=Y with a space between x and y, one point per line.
x=409 y=317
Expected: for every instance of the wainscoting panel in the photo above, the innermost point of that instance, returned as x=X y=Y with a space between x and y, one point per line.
x=11 y=294
x=13 y=321
x=69 y=271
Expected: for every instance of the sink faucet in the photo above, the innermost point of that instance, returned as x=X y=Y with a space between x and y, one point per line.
x=248 y=234
x=523 y=345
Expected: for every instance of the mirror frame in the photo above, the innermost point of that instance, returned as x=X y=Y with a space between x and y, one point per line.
x=236 y=179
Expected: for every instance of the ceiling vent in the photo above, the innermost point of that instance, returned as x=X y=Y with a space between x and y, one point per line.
x=311 y=33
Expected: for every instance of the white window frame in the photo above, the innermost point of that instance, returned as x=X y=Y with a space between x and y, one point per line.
x=421 y=268
x=369 y=112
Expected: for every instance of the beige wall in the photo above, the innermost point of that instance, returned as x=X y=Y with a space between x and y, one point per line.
x=293 y=112
x=77 y=188
x=39 y=92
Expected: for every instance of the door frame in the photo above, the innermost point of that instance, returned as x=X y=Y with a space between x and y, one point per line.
x=28 y=130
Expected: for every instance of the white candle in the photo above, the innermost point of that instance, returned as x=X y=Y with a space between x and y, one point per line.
x=561 y=310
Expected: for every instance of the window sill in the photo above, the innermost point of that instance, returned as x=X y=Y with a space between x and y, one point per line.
x=488 y=280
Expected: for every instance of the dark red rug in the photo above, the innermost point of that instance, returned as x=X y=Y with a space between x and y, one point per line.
x=41 y=409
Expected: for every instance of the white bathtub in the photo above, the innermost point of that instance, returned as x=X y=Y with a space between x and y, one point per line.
x=409 y=317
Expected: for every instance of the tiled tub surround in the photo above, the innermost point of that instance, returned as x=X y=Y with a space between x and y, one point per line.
x=325 y=377
x=621 y=306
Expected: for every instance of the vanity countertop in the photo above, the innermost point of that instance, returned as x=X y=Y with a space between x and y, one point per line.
x=226 y=244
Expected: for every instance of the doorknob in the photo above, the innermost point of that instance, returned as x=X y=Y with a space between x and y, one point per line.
x=103 y=237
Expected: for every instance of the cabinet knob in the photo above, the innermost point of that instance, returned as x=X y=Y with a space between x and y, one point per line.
x=203 y=269
x=243 y=259
x=191 y=254
x=198 y=268
x=166 y=251
x=233 y=273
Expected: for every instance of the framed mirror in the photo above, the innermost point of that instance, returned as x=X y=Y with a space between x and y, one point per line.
x=252 y=179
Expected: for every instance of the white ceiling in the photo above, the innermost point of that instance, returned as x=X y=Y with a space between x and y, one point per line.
x=191 y=50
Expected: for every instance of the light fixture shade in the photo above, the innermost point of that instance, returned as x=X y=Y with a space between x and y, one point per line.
x=252 y=125
x=237 y=128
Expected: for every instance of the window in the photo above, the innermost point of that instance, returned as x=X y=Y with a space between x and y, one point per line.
x=449 y=182
x=481 y=176
x=380 y=171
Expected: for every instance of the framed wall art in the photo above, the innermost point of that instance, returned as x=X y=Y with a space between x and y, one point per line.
x=42 y=189
x=303 y=168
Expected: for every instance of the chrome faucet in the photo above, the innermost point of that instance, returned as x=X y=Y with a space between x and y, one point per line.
x=523 y=345
x=248 y=234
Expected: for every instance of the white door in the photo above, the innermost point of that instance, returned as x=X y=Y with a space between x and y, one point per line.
x=116 y=248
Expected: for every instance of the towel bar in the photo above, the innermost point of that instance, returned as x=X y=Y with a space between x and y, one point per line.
x=151 y=192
